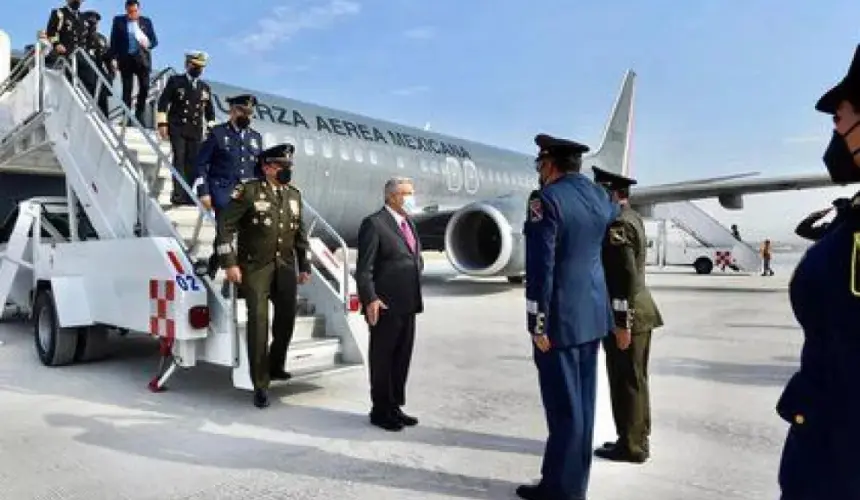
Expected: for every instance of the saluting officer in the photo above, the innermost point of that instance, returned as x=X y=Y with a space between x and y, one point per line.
x=97 y=48
x=634 y=311
x=182 y=107
x=807 y=228
x=272 y=242
x=227 y=157
x=820 y=403
x=567 y=310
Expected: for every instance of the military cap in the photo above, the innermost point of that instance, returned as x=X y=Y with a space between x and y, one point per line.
x=281 y=153
x=91 y=16
x=196 y=57
x=846 y=90
x=611 y=180
x=558 y=148
x=246 y=100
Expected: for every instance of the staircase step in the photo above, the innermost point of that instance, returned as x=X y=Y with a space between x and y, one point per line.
x=308 y=328
x=311 y=355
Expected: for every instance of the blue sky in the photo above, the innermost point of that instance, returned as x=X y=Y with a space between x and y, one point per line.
x=723 y=86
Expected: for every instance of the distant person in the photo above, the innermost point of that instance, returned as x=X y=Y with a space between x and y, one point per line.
x=735 y=232
x=567 y=310
x=820 y=403
x=184 y=110
x=635 y=316
x=132 y=40
x=766 y=257
x=271 y=257
x=388 y=276
x=807 y=228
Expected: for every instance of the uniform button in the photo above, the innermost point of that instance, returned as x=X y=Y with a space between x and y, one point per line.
x=280 y=240
x=277 y=254
x=799 y=420
x=281 y=224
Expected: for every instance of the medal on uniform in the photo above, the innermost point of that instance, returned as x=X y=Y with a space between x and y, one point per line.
x=255 y=221
x=226 y=141
x=268 y=221
x=254 y=144
x=294 y=206
x=204 y=95
x=262 y=206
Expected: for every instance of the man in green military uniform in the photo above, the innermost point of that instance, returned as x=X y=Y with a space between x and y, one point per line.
x=267 y=215
x=635 y=315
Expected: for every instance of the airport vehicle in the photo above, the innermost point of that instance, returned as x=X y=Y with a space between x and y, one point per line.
x=702 y=258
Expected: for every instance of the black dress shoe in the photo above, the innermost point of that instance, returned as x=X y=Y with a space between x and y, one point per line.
x=405 y=419
x=387 y=421
x=612 y=444
x=280 y=375
x=619 y=454
x=261 y=398
x=532 y=492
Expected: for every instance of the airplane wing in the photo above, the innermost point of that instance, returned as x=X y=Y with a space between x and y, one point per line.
x=728 y=189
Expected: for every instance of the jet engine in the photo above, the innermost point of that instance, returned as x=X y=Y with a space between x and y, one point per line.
x=731 y=201
x=485 y=238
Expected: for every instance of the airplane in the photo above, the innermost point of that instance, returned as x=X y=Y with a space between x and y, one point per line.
x=471 y=197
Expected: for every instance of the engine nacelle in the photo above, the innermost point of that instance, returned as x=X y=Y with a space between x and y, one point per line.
x=731 y=201
x=485 y=238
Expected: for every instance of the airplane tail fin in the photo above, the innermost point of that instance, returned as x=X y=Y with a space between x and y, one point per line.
x=613 y=154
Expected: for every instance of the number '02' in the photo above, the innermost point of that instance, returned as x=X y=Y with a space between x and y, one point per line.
x=187 y=282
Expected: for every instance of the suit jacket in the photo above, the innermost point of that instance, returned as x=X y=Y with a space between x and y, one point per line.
x=566 y=297
x=386 y=269
x=119 y=38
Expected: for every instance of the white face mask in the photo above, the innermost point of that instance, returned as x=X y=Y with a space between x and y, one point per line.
x=409 y=203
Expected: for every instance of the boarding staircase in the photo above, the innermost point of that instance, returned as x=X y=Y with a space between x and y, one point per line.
x=120 y=175
x=708 y=231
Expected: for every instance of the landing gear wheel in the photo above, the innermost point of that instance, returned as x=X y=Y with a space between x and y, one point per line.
x=56 y=346
x=516 y=280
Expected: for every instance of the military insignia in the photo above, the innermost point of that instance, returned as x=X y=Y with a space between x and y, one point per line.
x=226 y=141
x=617 y=236
x=540 y=323
x=535 y=210
x=204 y=95
x=238 y=191
x=268 y=221
x=262 y=206
x=855 y=266
x=181 y=93
x=254 y=144
x=262 y=196
x=255 y=221
x=294 y=206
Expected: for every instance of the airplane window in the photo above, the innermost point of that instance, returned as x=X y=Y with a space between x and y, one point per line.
x=344 y=152
x=359 y=156
x=309 y=147
x=400 y=163
x=327 y=149
x=373 y=158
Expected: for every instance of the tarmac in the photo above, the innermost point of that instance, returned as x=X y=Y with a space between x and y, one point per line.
x=94 y=432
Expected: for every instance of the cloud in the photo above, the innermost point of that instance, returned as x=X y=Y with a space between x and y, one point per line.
x=286 y=21
x=410 y=91
x=420 y=33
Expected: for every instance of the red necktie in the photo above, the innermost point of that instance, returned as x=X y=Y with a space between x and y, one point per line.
x=407 y=233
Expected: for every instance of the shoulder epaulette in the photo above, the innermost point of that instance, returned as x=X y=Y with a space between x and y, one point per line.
x=294 y=188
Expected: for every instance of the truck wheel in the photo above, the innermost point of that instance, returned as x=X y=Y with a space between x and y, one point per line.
x=93 y=344
x=55 y=346
x=703 y=265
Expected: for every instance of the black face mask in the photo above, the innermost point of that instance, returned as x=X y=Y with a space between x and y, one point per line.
x=75 y=4
x=195 y=72
x=840 y=162
x=285 y=175
x=243 y=121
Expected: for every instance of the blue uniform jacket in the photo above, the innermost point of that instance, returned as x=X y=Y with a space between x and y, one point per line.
x=225 y=158
x=820 y=401
x=566 y=296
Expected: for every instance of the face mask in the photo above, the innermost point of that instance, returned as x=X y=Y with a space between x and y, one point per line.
x=243 y=121
x=75 y=4
x=409 y=203
x=284 y=176
x=195 y=72
x=840 y=162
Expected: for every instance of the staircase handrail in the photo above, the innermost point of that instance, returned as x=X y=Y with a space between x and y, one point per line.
x=319 y=221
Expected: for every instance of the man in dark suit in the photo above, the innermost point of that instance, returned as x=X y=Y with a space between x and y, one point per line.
x=132 y=39
x=387 y=273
